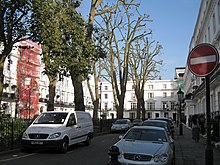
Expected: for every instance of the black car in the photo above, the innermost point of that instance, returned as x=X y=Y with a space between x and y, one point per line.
x=170 y=122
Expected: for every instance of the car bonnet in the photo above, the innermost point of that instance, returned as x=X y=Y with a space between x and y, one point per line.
x=138 y=146
x=43 y=129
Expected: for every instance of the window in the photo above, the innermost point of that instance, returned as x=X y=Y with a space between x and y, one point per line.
x=133 y=106
x=165 y=105
x=151 y=106
x=106 y=96
x=150 y=95
x=172 y=105
x=164 y=86
x=106 y=106
x=106 y=88
x=150 y=87
x=72 y=120
x=132 y=115
x=164 y=94
x=172 y=94
x=148 y=115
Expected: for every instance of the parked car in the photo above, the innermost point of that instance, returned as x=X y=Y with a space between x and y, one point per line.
x=146 y=145
x=137 y=122
x=170 y=122
x=58 y=129
x=121 y=125
x=158 y=123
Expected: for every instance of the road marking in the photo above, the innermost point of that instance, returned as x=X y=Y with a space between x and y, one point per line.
x=18 y=157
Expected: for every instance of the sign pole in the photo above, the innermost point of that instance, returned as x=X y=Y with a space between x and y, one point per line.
x=208 y=150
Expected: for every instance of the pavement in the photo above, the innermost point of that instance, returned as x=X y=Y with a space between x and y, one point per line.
x=189 y=152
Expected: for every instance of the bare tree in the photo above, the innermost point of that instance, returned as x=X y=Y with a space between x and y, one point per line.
x=123 y=26
x=143 y=64
x=96 y=9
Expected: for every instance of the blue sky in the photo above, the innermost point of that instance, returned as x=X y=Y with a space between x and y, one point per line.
x=173 y=25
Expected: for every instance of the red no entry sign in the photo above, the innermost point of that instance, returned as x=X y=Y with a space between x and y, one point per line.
x=203 y=59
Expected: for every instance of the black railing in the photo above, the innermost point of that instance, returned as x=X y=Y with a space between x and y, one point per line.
x=10 y=133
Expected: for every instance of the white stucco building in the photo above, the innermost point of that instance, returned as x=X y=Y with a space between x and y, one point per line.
x=206 y=30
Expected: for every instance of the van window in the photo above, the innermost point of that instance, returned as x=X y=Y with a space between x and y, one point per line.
x=82 y=117
x=72 y=120
x=51 y=118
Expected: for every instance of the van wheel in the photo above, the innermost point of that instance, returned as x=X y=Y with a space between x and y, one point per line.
x=64 y=146
x=88 y=140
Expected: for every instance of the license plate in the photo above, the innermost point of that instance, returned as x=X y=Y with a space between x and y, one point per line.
x=36 y=142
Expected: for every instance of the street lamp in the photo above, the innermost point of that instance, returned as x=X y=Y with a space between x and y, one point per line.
x=100 y=98
x=100 y=106
x=180 y=99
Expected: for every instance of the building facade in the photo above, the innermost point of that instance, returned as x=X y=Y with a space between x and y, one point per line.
x=207 y=30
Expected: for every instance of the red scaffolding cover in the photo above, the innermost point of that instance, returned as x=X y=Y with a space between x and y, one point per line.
x=28 y=79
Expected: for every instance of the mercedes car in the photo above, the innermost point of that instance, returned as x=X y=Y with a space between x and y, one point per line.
x=146 y=145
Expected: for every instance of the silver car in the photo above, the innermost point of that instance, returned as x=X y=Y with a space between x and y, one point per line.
x=121 y=125
x=146 y=145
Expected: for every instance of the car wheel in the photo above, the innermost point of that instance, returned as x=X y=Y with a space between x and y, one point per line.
x=88 y=140
x=64 y=146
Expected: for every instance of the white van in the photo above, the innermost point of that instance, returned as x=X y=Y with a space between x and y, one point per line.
x=58 y=129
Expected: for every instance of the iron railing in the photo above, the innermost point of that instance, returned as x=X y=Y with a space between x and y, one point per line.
x=10 y=133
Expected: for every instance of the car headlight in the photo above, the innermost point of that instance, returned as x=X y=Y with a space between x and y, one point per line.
x=161 y=158
x=25 y=135
x=54 y=135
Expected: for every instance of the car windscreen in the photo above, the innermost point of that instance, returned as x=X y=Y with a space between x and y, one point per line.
x=146 y=135
x=121 y=122
x=51 y=118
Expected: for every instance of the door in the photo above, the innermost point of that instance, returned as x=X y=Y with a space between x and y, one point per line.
x=72 y=129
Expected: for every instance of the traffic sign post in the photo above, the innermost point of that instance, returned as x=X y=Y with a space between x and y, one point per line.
x=202 y=61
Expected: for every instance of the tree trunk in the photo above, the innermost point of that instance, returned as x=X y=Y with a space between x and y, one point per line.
x=95 y=110
x=138 y=109
x=1 y=81
x=120 y=110
x=78 y=94
x=143 y=109
x=52 y=88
